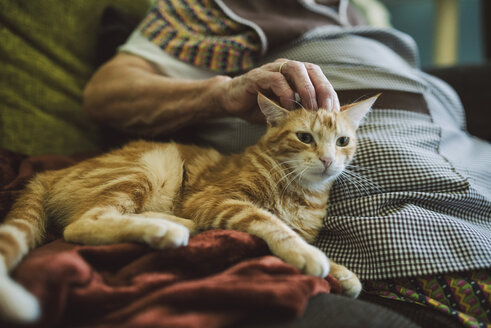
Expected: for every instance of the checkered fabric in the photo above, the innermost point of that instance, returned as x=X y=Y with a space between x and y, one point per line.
x=405 y=210
x=416 y=200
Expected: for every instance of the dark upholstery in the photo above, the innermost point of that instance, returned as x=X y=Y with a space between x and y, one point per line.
x=472 y=85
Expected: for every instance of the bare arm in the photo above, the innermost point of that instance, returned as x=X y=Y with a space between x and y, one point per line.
x=129 y=94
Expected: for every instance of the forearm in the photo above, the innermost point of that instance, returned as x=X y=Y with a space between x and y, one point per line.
x=129 y=95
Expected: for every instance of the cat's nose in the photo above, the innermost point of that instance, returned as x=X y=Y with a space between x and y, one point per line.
x=327 y=161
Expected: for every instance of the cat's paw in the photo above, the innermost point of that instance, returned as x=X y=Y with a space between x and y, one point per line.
x=16 y=303
x=306 y=258
x=348 y=280
x=166 y=235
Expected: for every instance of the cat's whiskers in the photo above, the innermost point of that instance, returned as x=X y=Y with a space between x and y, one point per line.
x=353 y=182
x=285 y=177
x=364 y=179
x=282 y=172
x=278 y=165
x=299 y=174
x=362 y=168
x=281 y=168
x=359 y=182
x=341 y=179
x=298 y=103
x=284 y=166
x=287 y=185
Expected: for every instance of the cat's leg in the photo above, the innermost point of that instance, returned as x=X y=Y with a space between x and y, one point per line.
x=286 y=244
x=100 y=226
x=281 y=239
x=185 y=222
x=348 y=280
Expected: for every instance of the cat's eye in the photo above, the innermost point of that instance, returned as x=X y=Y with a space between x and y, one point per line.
x=342 y=141
x=305 y=137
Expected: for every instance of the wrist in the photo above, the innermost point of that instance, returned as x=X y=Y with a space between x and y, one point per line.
x=219 y=92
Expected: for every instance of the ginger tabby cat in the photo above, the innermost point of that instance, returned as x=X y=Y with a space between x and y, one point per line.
x=160 y=193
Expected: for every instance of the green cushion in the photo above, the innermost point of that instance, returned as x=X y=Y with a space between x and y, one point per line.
x=47 y=51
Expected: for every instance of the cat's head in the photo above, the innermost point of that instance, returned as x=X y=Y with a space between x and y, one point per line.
x=312 y=146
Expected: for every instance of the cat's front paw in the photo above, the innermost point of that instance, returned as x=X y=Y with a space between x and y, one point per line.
x=306 y=258
x=166 y=235
x=348 y=280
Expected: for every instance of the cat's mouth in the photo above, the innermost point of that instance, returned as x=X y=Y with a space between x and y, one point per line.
x=329 y=172
x=322 y=174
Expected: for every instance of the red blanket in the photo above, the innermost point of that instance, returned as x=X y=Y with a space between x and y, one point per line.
x=221 y=278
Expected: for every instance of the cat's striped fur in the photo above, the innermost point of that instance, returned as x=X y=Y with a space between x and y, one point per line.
x=159 y=193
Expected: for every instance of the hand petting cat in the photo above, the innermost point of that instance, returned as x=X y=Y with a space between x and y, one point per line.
x=281 y=79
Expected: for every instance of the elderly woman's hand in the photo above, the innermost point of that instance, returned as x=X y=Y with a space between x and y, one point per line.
x=281 y=78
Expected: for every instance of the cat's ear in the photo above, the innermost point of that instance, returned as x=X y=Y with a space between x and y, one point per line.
x=274 y=113
x=357 y=111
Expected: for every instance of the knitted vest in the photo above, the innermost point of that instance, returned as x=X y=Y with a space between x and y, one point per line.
x=203 y=34
x=198 y=32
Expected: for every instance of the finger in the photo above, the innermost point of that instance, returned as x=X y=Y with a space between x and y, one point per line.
x=326 y=96
x=276 y=83
x=337 y=105
x=297 y=74
x=274 y=66
x=281 y=60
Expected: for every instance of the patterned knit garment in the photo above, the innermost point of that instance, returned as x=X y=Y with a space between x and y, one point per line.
x=199 y=33
x=465 y=296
